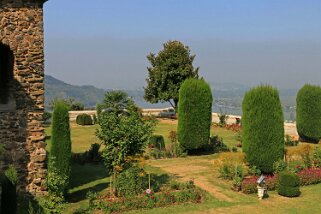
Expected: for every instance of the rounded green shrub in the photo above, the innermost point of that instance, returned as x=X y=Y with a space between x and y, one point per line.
x=131 y=182
x=308 y=111
x=194 y=114
x=60 y=153
x=157 y=141
x=263 y=129
x=289 y=184
x=84 y=120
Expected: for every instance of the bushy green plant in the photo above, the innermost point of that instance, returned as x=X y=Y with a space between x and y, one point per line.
x=60 y=153
x=308 y=111
x=253 y=170
x=9 y=192
x=123 y=134
x=289 y=184
x=279 y=166
x=84 y=120
x=317 y=157
x=289 y=141
x=263 y=128
x=157 y=141
x=95 y=119
x=131 y=182
x=194 y=114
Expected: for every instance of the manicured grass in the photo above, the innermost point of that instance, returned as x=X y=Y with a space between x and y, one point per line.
x=198 y=168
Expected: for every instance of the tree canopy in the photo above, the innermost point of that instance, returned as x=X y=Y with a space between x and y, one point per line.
x=168 y=70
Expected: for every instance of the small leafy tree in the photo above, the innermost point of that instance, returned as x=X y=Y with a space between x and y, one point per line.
x=60 y=153
x=308 y=119
x=123 y=133
x=263 y=128
x=194 y=114
x=167 y=72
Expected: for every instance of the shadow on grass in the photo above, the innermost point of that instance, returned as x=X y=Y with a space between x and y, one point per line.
x=81 y=194
x=84 y=174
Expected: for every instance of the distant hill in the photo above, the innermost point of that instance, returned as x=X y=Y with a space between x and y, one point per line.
x=227 y=96
x=88 y=95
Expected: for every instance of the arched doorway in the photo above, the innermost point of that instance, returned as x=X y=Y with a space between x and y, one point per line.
x=6 y=78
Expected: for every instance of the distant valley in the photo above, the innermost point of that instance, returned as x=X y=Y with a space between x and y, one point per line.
x=227 y=96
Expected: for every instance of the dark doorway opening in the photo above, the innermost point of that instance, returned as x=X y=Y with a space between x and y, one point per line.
x=6 y=73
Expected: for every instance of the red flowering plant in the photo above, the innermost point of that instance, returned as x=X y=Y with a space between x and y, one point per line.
x=249 y=185
x=310 y=176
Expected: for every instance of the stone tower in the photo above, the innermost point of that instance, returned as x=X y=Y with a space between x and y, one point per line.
x=22 y=92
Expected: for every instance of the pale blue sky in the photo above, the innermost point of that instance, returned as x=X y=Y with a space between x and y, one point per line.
x=105 y=43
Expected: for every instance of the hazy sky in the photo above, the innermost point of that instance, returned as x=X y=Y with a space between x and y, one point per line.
x=105 y=43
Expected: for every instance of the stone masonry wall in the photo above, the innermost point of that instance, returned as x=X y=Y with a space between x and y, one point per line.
x=21 y=128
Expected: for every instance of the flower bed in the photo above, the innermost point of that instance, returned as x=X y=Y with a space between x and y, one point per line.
x=307 y=177
x=310 y=176
x=249 y=185
x=147 y=201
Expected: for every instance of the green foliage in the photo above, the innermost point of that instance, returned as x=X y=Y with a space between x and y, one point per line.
x=289 y=141
x=168 y=70
x=71 y=103
x=308 y=113
x=157 y=141
x=289 y=184
x=280 y=166
x=253 y=170
x=223 y=117
x=194 y=114
x=60 y=153
x=57 y=184
x=188 y=194
x=95 y=119
x=131 y=182
x=46 y=116
x=114 y=101
x=317 y=157
x=9 y=193
x=263 y=129
x=84 y=119
x=123 y=133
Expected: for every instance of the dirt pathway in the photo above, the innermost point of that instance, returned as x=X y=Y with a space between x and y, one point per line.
x=188 y=171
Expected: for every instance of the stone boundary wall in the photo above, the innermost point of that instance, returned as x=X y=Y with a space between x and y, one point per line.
x=21 y=125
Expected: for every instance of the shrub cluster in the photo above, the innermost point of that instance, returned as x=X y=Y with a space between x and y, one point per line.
x=263 y=128
x=249 y=185
x=170 y=150
x=308 y=111
x=156 y=141
x=194 y=114
x=148 y=201
x=289 y=141
x=84 y=120
x=131 y=182
x=289 y=184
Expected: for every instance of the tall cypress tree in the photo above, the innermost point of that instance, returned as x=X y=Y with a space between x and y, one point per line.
x=263 y=127
x=60 y=153
x=194 y=114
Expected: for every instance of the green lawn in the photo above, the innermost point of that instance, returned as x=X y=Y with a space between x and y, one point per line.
x=221 y=198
